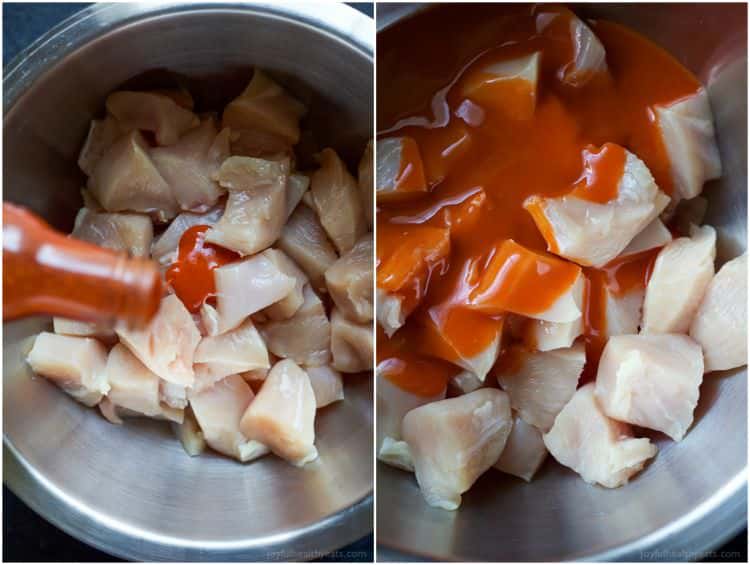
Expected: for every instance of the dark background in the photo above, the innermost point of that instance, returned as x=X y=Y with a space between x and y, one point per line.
x=28 y=537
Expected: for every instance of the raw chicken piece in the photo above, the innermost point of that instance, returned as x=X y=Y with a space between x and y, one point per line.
x=524 y=451
x=190 y=434
x=151 y=112
x=256 y=207
x=336 y=200
x=589 y=58
x=131 y=233
x=75 y=364
x=623 y=312
x=305 y=337
x=352 y=344
x=508 y=87
x=256 y=377
x=653 y=235
x=540 y=383
x=190 y=165
x=651 y=381
x=287 y=306
x=546 y=336
x=164 y=248
x=209 y=320
x=246 y=287
x=720 y=324
x=180 y=96
x=518 y=280
x=282 y=416
x=585 y=225
x=64 y=326
x=596 y=447
x=219 y=411
x=465 y=382
x=305 y=241
x=264 y=105
x=102 y=134
x=173 y=395
x=687 y=130
x=399 y=172
x=396 y=454
x=125 y=179
x=109 y=411
x=366 y=181
x=349 y=281
x=235 y=351
x=679 y=279
x=454 y=441
x=259 y=143
x=327 y=385
x=167 y=344
x=296 y=187
x=389 y=311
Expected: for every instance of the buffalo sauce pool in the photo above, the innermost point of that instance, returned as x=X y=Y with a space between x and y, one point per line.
x=482 y=158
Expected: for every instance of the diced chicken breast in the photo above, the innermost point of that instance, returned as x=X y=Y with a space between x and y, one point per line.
x=287 y=306
x=75 y=364
x=190 y=435
x=236 y=351
x=64 y=326
x=151 y=112
x=399 y=172
x=167 y=345
x=720 y=324
x=349 y=281
x=389 y=310
x=173 y=395
x=179 y=95
x=465 y=382
x=189 y=166
x=653 y=235
x=623 y=312
x=452 y=442
x=282 y=416
x=336 y=200
x=396 y=454
x=305 y=337
x=246 y=287
x=164 y=248
x=651 y=381
x=327 y=385
x=680 y=276
x=259 y=143
x=209 y=320
x=546 y=336
x=296 y=187
x=352 y=344
x=219 y=410
x=541 y=383
x=125 y=179
x=366 y=182
x=264 y=105
x=305 y=241
x=687 y=130
x=589 y=57
x=585 y=225
x=102 y=135
x=524 y=451
x=599 y=449
x=255 y=211
x=131 y=233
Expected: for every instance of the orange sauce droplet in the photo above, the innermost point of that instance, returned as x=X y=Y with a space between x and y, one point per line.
x=191 y=276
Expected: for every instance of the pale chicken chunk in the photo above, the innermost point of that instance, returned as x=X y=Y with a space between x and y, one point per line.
x=125 y=179
x=219 y=410
x=327 y=384
x=64 y=326
x=102 y=135
x=541 y=383
x=75 y=364
x=246 y=287
x=349 y=281
x=399 y=172
x=366 y=182
x=131 y=233
x=524 y=451
x=680 y=276
x=653 y=235
x=651 y=381
x=687 y=130
x=546 y=336
x=452 y=442
x=623 y=312
x=352 y=344
x=190 y=165
x=259 y=143
x=167 y=345
x=336 y=200
x=592 y=233
x=396 y=454
x=164 y=248
x=720 y=324
x=599 y=449
x=589 y=57
x=465 y=382
x=151 y=112
x=287 y=306
x=305 y=337
x=305 y=241
x=264 y=105
x=296 y=187
x=236 y=351
x=282 y=415
x=389 y=310
x=190 y=435
x=255 y=211
x=173 y=395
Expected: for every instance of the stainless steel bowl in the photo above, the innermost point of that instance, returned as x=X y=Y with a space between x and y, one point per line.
x=693 y=496
x=131 y=490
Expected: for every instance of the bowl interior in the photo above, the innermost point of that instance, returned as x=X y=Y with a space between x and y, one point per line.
x=131 y=489
x=693 y=495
